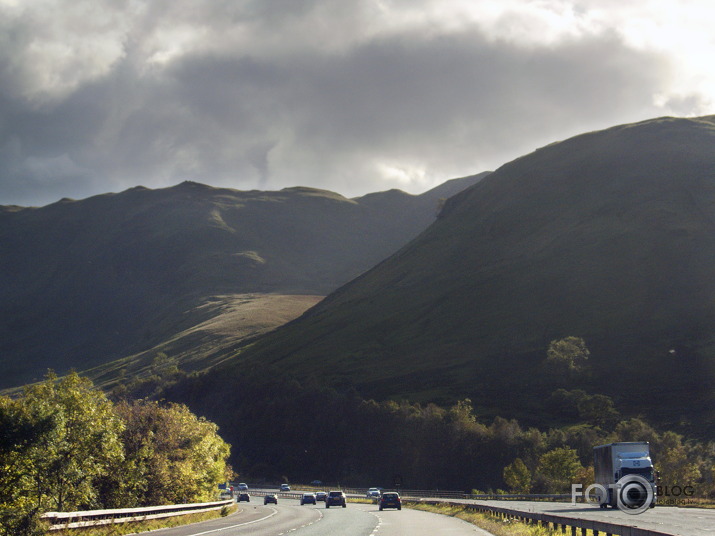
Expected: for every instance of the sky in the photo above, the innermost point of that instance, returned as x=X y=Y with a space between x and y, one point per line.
x=353 y=96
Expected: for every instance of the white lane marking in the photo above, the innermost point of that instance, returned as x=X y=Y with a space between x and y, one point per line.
x=379 y=523
x=240 y=524
x=320 y=516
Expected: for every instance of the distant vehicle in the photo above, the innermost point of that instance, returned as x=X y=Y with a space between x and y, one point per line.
x=373 y=493
x=270 y=498
x=335 y=498
x=390 y=499
x=630 y=464
x=307 y=498
x=285 y=487
x=226 y=494
x=244 y=497
x=320 y=496
x=242 y=486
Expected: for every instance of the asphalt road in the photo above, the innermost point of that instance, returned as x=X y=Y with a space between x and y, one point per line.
x=668 y=519
x=288 y=517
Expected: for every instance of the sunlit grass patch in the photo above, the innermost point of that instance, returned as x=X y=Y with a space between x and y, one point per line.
x=493 y=524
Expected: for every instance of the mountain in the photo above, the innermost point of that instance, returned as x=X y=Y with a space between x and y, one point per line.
x=85 y=282
x=608 y=236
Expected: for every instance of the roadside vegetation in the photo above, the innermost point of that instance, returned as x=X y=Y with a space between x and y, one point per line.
x=66 y=447
x=429 y=446
x=492 y=524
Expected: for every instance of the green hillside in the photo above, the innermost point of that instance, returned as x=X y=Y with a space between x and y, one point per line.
x=83 y=283
x=609 y=236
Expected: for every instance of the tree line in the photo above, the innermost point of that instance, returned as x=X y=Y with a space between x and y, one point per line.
x=65 y=446
x=283 y=430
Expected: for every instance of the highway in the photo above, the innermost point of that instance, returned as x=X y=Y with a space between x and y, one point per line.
x=288 y=517
x=668 y=519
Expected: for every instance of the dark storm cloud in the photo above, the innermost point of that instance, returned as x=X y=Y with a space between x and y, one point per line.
x=261 y=97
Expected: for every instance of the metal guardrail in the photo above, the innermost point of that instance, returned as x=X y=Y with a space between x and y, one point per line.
x=520 y=497
x=61 y=520
x=73 y=520
x=556 y=522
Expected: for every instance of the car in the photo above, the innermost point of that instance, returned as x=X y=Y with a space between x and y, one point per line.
x=242 y=486
x=270 y=498
x=317 y=483
x=244 y=497
x=285 y=487
x=335 y=498
x=226 y=494
x=390 y=499
x=307 y=498
x=320 y=496
x=373 y=493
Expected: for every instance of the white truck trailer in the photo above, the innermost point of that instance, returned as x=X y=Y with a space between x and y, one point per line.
x=624 y=475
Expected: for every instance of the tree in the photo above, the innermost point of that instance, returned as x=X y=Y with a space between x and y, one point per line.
x=560 y=467
x=676 y=466
x=19 y=503
x=597 y=410
x=517 y=476
x=82 y=441
x=57 y=442
x=569 y=355
x=172 y=456
x=636 y=430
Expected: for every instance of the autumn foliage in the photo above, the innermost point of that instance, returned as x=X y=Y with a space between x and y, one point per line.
x=66 y=447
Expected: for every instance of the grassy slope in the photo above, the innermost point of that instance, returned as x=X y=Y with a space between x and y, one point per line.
x=233 y=321
x=85 y=282
x=609 y=236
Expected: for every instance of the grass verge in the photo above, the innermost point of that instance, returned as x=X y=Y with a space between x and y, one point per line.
x=493 y=524
x=120 y=529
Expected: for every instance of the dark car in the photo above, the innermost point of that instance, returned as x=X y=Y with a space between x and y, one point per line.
x=390 y=499
x=270 y=498
x=244 y=497
x=335 y=498
x=307 y=498
x=320 y=496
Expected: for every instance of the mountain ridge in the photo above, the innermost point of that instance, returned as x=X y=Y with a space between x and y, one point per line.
x=605 y=236
x=83 y=282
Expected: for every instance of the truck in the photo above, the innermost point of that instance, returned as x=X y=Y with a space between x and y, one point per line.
x=623 y=473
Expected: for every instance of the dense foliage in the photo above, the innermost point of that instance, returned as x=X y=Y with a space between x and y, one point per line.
x=281 y=429
x=65 y=446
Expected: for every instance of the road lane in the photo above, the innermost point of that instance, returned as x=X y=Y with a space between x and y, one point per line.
x=408 y=522
x=258 y=520
x=288 y=517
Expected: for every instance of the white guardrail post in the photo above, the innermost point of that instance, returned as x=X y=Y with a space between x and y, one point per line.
x=73 y=520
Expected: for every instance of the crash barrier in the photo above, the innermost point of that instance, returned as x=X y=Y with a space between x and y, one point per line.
x=567 y=525
x=521 y=497
x=73 y=520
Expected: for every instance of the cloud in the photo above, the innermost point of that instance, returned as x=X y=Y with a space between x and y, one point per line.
x=353 y=96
